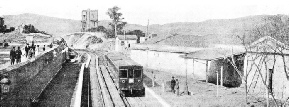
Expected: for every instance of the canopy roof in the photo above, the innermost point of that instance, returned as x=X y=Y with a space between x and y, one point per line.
x=213 y=53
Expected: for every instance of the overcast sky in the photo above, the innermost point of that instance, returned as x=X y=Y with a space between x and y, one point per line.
x=157 y=11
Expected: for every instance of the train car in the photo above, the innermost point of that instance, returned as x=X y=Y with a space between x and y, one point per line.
x=129 y=74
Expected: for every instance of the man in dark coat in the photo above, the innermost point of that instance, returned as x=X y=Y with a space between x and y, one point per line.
x=173 y=83
x=12 y=55
x=18 y=55
x=43 y=48
x=27 y=48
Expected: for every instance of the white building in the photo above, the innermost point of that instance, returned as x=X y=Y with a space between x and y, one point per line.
x=142 y=39
x=123 y=42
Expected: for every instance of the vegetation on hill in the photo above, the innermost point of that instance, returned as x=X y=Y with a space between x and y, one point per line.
x=3 y=27
x=31 y=29
x=276 y=26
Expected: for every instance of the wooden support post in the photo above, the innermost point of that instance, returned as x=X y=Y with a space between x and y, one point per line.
x=222 y=75
x=153 y=79
x=163 y=86
x=217 y=83
x=187 y=87
x=194 y=68
x=206 y=71
x=267 y=88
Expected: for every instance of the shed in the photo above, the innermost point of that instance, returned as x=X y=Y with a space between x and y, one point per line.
x=123 y=42
x=218 y=60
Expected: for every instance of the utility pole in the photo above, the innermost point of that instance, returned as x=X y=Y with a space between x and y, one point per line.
x=148 y=28
x=115 y=33
x=217 y=83
x=186 y=87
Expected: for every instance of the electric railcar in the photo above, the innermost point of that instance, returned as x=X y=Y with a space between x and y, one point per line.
x=129 y=74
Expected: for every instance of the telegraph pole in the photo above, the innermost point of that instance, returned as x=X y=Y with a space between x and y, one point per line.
x=186 y=87
x=115 y=33
x=148 y=28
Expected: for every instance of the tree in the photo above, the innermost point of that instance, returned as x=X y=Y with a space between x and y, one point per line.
x=92 y=30
x=101 y=29
x=12 y=28
x=117 y=24
x=276 y=27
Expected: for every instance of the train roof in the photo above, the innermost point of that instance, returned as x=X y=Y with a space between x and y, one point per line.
x=120 y=59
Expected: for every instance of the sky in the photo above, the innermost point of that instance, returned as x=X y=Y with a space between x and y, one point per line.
x=156 y=11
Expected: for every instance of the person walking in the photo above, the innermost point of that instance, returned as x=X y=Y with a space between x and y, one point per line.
x=12 y=55
x=31 y=52
x=18 y=55
x=173 y=83
x=33 y=47
x=27 y=48
x=44 y=48
x=177 y=87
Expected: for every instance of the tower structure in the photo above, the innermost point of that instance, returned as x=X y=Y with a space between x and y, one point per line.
x=89 y=19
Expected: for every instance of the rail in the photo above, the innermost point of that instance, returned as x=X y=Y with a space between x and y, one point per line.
x=94 y=83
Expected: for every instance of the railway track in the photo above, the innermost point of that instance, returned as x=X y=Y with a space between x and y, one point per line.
x=109 y=95
x=131 y=101
x=106 y=86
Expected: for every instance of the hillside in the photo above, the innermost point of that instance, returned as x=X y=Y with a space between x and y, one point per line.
x=219 y=31
x=51 y=25
x=206 y=33
x=82 y=40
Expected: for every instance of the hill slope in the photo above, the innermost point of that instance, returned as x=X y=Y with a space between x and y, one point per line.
x=51 y=25
x=212 y=31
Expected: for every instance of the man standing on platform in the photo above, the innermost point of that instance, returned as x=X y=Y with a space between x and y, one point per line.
x=12 y=55
x=18 y=55
x=27 y=48
x=178 y=87
x=173 y=83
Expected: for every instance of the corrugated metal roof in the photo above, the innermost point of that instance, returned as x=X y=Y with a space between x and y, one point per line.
x=164 y=48
x=213 y=53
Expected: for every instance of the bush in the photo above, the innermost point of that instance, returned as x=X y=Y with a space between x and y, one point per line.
x=12 y=28
x=31 y=29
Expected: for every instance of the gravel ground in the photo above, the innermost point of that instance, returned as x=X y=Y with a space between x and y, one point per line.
x=202 y=94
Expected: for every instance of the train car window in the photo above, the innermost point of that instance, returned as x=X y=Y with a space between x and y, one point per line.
x=137 y=73
x=130 y=73
x=123 y=73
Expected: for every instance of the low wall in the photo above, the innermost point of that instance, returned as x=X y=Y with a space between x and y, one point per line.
x=170 y=62
x=29 y=78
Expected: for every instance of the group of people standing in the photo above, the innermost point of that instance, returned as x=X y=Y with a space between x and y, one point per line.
x=175 y=86
x=30 y=52
x=15 y=55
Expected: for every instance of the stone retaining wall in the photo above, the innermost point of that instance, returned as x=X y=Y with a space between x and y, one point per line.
x=29 y=78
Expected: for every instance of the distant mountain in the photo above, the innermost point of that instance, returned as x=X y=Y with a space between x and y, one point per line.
x=210 y=31
x=206 y=33
x=51 y=25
